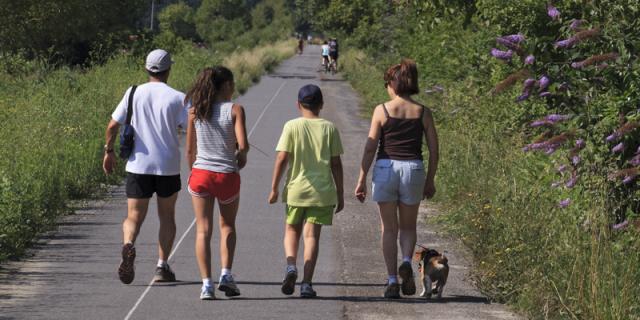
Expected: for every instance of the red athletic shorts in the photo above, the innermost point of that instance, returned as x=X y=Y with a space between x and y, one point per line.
x=224 y=186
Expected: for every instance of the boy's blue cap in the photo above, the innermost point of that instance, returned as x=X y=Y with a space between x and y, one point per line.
x=310 y=94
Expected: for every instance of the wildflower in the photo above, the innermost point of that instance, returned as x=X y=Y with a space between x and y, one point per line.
x=565 y=44
x=621 y=225
x=510 y=45
x=530 y=59
x=635 y=161
x=543 y=83
x=572 y=182
x=586 y=34
x=502 y=55
x=628 y=179
x=595 y=60
x=618 y=148
x=515 y=38
x=563 y=168
x=580 y=144
x=613 y=137
x=511 y=80
x=564 y=203
x=553 y=12
x=575 y=160
x=557 y=117
x=545 y=94
x=522 y=97
x=575 y=24
x=540 y=123
x=550 y=150
x=528 y=83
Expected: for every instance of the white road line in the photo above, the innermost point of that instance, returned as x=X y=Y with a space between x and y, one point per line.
x=184 y=235
x=264 y=110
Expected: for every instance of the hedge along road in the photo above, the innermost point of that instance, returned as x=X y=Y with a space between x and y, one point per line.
x=72 y=272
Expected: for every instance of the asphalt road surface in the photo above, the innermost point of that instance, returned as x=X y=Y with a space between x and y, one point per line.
x=71 y=274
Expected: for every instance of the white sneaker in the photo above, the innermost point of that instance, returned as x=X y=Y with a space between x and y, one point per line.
x=207 y=293
x=228 y=286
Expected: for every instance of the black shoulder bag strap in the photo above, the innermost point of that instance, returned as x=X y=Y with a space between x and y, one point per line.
x=130 y=105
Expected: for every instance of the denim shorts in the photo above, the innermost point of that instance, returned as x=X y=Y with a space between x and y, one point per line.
x=398 y=180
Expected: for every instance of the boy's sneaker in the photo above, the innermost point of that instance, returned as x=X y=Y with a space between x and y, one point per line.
x=207 y=293
x=164 y=274
x=289 y=282
x=125 y=271
x=306 y=290
x=392 y=291
x=228 y=285
x=408 y=283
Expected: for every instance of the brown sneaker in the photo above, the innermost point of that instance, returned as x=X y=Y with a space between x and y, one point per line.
x=392 y=291
x=125 y=271
x=164 y=274
x=408 y=283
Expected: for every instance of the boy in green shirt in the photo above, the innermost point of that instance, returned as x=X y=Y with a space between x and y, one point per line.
x=311 y=147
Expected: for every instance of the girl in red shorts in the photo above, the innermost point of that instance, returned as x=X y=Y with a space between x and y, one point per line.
x=217 y=149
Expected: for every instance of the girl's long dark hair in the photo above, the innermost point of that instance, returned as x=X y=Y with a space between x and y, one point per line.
x=204 y=90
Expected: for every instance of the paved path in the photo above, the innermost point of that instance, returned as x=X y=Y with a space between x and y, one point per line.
x=72 y=273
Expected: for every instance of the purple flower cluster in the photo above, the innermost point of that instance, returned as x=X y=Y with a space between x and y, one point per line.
x=564 y=203
x=580 y=144
x=550 y=120
x=515 y=38
x=508 y=44
x=543 y=83
x=530 y=59
x=565 y=44
x=621 y=225
x=553 y=12
x=575 y=24
x=618 y=148
x=572 y=182
x=575 y=160
x=502 y=55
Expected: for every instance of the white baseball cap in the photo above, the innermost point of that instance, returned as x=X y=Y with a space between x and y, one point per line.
x=158 y=60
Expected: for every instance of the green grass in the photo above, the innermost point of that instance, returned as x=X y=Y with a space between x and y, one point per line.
x=53 y=124
x=547 y=262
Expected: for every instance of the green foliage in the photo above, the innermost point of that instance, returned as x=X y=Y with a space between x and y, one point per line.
x=548 y=262
x=64 y=30
x=178 y=19
x=67 y=110
x=221 y=20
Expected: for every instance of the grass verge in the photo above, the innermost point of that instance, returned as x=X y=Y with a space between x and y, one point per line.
x=547 y=262
x=53 y=130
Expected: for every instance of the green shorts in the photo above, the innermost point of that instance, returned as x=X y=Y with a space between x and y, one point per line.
x=315 y=215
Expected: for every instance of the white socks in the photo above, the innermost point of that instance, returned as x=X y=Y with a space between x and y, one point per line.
x=224 y=272
x=206 y=282
x=393 y=279
x=162 y=263
x=406 y=259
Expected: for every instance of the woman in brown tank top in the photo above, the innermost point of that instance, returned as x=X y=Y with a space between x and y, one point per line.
x=399 y=179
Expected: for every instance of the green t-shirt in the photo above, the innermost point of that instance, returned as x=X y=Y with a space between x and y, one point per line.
x=310 y=143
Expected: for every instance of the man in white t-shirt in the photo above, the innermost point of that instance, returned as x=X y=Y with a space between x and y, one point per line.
x=154 y=164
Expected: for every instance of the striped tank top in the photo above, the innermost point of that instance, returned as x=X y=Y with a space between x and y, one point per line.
x=216 y=140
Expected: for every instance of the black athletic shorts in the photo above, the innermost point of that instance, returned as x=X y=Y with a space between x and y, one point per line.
x=333 y=55
x=143 y=186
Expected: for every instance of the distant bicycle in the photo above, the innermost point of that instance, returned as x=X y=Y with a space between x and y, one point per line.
x=332 y=67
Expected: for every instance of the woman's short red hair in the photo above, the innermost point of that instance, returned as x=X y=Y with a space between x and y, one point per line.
x=403 y=77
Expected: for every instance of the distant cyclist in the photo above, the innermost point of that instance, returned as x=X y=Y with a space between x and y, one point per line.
x=325 y=54
x=300 y=45
x=333 y=51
